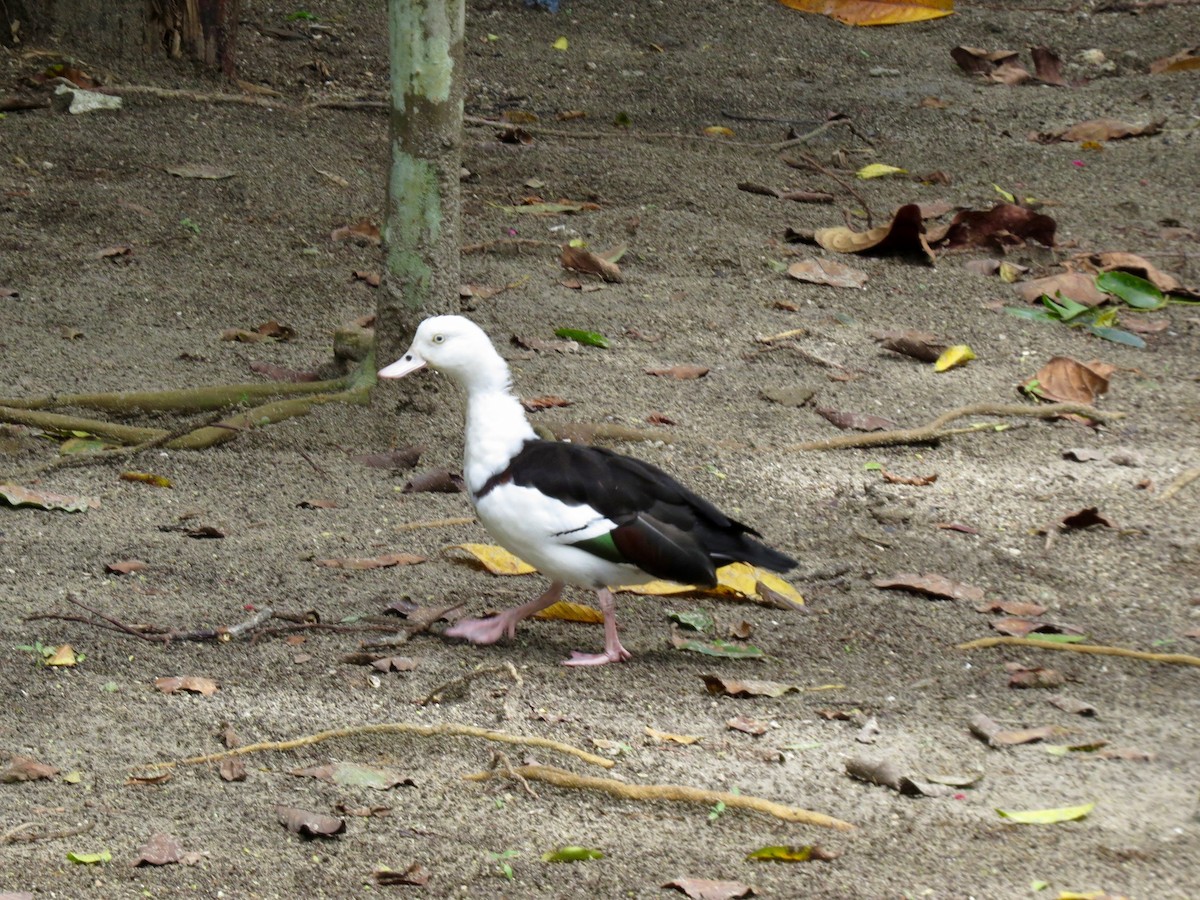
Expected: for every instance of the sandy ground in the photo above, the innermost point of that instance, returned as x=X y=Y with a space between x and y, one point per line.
x=209 y=255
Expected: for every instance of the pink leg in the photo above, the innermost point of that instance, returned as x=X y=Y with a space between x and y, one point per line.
x=490 y=630
x=613 y=651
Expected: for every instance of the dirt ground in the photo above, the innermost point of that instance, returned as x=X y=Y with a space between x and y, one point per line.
x=210 y=255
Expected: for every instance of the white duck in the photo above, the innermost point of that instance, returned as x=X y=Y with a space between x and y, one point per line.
x=580 y=515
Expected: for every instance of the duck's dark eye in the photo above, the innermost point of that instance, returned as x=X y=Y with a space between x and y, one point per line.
x=439 y=338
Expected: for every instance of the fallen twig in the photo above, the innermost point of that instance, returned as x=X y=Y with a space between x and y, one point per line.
x=934 y=430
x=808 y=162
x=1178 y=659
x=25 y=833
x=452 y=729
x=155 y=634
x=675 y=792
x=459 y=684
x=1178 y=484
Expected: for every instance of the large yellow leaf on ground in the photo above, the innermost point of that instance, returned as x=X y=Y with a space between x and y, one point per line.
x=875 y=12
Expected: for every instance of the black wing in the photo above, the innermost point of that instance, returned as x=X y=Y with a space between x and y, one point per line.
x=662 y=527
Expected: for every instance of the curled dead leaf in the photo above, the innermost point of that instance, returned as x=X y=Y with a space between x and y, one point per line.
x=576 y=259
x=1067 y=380
x=827 y=271
x=309 y=824
x=931 y=585
x=995 y=735
x=191 y=683
x=680 y=373
x=435 y=481
x=905 y=234
x=856 y=421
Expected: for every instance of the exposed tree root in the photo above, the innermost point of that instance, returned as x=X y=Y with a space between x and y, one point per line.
x=277 y=401
x=442 y=729
x=1178 y=659
x=675 y=792
x=936 y=430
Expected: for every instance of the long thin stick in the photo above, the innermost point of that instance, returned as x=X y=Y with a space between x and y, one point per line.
x=933 y=430
x=676 y=792
x=444 y=728
x=1178 y=659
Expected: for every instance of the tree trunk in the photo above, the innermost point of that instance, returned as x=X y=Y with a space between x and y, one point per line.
x=205 y=30
x=421 y=228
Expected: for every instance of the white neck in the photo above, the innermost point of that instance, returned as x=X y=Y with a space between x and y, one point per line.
x=496 y=423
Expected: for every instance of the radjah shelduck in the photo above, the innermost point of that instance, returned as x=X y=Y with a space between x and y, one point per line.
x=580 y=515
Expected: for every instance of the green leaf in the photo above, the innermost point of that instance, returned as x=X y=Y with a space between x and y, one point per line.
x=1137 y=292
x=1117 y=336
x=696 y=619
x=89 y=859
x=724 y=649
x=357 y=775
x=1065 y=309
x=587 y=338
x=571 y=854
x=873 y=467
x=1047 y=816
x=1033 y=315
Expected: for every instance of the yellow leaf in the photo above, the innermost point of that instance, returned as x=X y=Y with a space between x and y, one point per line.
x=1082 y=895
x=718 y=131
x=655 y=588
x=743 y=579
x=1008 y=198
x=879 y=170
x=560 y=44
x=875 y=12
x=958 y=355
x=571 y=612
x=664 y=736
x=1047 y=816
x=63 y=656
x=495 y=559
x=1009 y=273
x=147 y=478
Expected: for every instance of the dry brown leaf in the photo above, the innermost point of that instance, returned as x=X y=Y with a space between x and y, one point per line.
x=992 y=734
x=918 y=344
x=361 y=233
x=415 y=875
x=201 y=171
x=904 y=234
x=1182 y=61
x=1023 y=676
x=192 y=683
x=856 y=421
x=1078 y=286
x=22 y=768
x=1067 y=380
x=1003 y=226
x=747 y=725
x=435 y=481
x=546 y=401
x=977 y=61
x=1085 y=518
x=931 y=585
x=371 y=279
x=309 y=824
x=576 y=259
x=914 y=480
x=400 y=458
x=887 y=772
x=159 y=850
x=387 y=560
x=126 y=566
x=664 y=737
x=1098 y=130
x=1047 y=66
x=957 y=526
x=746 y=687
x=707 y=889
x=1119 y=260
x=233 y=770
x=680 y=373
x=827 y=271
x=148 y=779
x=1072 y=706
